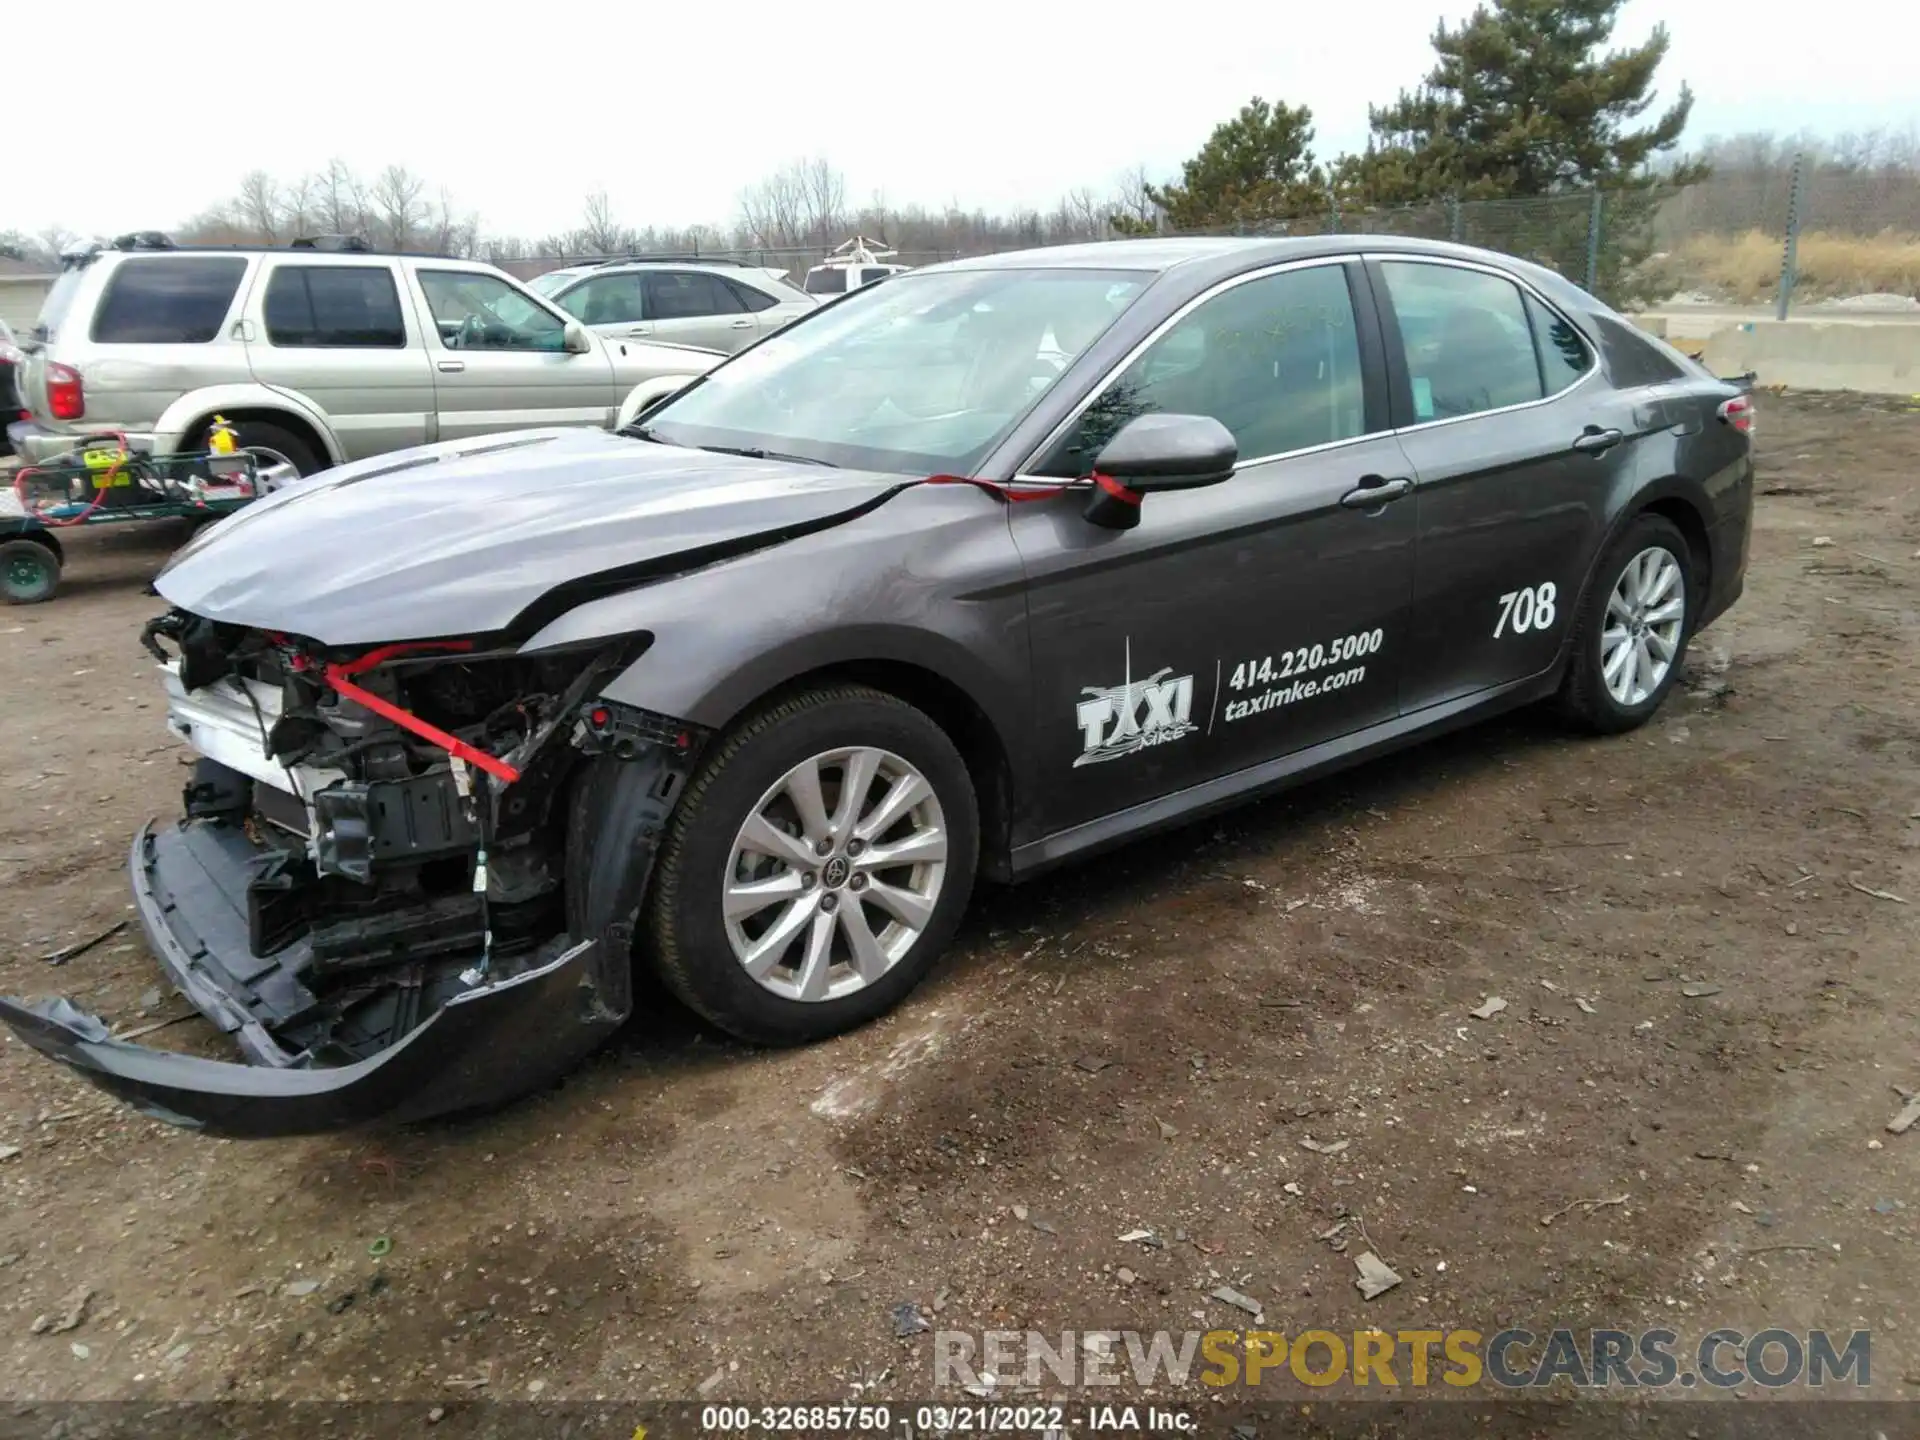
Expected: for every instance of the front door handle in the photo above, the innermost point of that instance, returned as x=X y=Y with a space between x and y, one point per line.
x=453 y=367
x=641 y=330
x=1595 y=441
x=1375 y=491
x=742 y=325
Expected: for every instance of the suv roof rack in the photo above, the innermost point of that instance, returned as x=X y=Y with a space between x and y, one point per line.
x=350 y=244
x=675 y=259
x=160 y=240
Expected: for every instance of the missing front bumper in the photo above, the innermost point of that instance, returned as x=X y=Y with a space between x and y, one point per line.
x=484 y=1045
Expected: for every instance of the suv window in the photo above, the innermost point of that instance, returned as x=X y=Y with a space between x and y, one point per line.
x=874 y=272
x=748 y=297
x=605 y=300
x=828 y=280
x=334 y=306
x=687 y=295
x=176 y=301
x=1468 y=345
x=484 y=312
x=1275 y=360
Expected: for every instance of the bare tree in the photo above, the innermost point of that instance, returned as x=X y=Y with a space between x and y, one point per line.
x=342 y=200
x=772 y=210
x=396 y=195
x=55 y=241
x=298 y=206
x=823 y=196
x=257 y=206
x=602 y=234
x=1133 y=199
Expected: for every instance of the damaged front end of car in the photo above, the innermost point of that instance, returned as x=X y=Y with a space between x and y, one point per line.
x=380 y=888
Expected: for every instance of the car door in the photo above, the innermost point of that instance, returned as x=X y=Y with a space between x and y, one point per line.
x=1514 y=441
x=1248 y=620
x=500 y=360
x=691 y=307
x=338 y=334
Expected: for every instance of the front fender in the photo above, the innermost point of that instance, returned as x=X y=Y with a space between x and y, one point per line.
x=177 y=422
x=929 y=579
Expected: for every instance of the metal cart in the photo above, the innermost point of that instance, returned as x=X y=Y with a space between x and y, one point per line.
x=105 y=482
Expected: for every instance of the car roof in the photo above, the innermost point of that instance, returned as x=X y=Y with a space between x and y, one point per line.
x=1204 y=259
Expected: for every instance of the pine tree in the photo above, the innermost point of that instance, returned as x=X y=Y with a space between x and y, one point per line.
x=1525 y=99
x=1255 y=169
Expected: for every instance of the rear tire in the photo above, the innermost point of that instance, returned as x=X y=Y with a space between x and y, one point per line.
x=1607 y=689
x=29 y=572
x=274 y=445
x=834 y=889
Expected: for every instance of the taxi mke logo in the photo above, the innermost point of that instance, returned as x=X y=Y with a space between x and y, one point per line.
x=1117 y=720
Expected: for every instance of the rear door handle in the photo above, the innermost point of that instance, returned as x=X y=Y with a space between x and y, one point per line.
x=1375 y=491
x=453 y=367
x=1595 y=441
x=742 y=325
x=641 y=330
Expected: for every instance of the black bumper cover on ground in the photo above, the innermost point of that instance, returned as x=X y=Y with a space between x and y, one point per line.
x=487 y=1045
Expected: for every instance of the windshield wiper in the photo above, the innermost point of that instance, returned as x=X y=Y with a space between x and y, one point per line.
x=754 y=453
x=644 y=432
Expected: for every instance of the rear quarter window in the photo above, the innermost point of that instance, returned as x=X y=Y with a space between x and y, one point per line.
x=174 y=301
x=1635 y=358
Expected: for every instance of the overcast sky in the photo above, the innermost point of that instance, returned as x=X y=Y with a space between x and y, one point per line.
x=521 y=110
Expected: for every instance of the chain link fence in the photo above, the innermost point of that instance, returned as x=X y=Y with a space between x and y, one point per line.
x=1808 y=236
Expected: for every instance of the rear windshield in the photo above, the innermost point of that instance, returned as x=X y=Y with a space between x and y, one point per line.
x=828 y=280
x=58 y=301
x=173 y=301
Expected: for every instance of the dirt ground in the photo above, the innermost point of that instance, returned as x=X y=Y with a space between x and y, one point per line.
x=1706 y=1015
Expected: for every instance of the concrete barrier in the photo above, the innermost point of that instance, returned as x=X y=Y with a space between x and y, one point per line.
x=1879 y=356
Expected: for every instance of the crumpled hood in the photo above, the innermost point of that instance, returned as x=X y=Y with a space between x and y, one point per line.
x=462 y=538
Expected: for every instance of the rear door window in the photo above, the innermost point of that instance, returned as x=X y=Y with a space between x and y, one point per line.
x=1468 y=345
x=334 y=307
x=1564 y=356
x=688 y=295
x=180 y=300
x=830 y=280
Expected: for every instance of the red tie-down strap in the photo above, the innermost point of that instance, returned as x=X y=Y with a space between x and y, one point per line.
x=340 y=677
x=1114 y=488
x=995 y=488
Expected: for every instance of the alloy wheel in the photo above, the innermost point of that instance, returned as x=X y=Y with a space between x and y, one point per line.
x=835 y=873
x=1646 y=616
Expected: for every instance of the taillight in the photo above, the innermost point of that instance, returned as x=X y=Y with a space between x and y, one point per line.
x=66 y=400
x=1738 y=412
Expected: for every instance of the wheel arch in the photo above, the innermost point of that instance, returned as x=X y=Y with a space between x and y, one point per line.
x=1670 y=501
x=42 y=537
x=188 y=416
x=948 y=704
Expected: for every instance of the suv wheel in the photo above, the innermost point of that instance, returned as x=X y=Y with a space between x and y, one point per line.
x=816 y=867
x=281 y=455
x=1633 y=631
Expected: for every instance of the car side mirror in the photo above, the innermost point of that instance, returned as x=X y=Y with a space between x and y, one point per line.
x=1157 y=452
x=574 y=339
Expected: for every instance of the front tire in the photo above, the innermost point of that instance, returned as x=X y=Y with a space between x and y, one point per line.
x=1633 y=632
x=816 y=867
x=29 y=572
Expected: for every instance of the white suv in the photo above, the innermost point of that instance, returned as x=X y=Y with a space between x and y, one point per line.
x=318 y=353
x=716 y=304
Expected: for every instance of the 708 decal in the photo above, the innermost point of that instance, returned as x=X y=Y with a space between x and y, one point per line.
x=1529 y=608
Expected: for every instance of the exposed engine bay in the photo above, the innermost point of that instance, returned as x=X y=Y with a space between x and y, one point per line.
x=402 y=815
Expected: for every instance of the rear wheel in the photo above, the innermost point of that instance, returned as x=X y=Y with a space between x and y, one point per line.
x=816 y=867
x=280 y=455
x=29 y=572
x=1633 y=631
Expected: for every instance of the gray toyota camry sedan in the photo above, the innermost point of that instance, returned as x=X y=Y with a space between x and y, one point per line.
x=960 y=576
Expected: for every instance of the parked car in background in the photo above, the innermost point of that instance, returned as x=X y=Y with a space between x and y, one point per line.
x=858 y=262
x=715 y=304
x=10 y=411
x=318 y=353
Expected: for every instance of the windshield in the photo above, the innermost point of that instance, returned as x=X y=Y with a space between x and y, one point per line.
x=920 y=375
x=551 y=281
